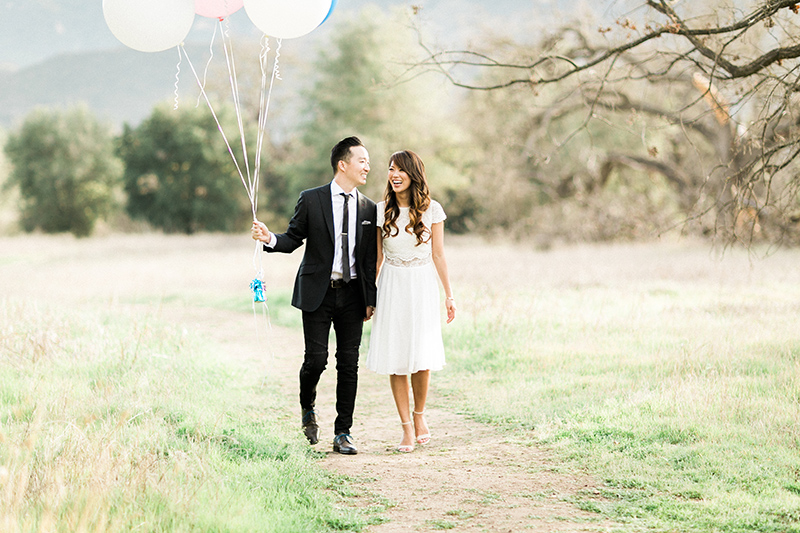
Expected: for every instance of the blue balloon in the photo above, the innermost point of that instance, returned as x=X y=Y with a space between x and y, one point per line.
x=333 y=5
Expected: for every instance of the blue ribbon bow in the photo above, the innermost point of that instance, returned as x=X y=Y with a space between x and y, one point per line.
x=258 y=290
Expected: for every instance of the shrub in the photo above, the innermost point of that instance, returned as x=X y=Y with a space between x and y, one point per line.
x=64 y=165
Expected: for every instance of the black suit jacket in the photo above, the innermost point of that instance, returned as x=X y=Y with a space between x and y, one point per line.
x=313 y=222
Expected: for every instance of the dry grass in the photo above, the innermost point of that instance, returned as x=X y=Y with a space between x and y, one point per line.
x=77 y=432
x=113 y=419
x=667 y=370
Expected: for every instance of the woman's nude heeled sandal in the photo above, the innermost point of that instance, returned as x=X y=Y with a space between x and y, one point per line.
x=426 y=438
x=405 y=448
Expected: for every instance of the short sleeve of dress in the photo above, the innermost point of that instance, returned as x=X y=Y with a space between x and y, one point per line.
x=437 y=212
x=380 y=208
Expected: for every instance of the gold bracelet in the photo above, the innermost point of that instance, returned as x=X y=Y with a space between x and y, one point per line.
x=450 y=298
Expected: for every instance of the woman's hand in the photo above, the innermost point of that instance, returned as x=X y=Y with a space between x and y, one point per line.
x=450 y=306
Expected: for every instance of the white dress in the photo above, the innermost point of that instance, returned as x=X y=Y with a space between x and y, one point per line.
x=406 y=329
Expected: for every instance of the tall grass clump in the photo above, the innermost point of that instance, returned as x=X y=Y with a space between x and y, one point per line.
x=682 y=399
x=116 y=422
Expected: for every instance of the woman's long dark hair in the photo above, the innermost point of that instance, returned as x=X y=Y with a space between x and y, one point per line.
x=419 y=199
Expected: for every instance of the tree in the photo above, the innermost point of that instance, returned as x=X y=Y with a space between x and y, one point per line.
x=64 y=165
x=709 y=88
x=179 y=174
x=352 y=94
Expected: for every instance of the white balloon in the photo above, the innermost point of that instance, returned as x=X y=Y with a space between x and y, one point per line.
x=149 y=25
x=287 y=19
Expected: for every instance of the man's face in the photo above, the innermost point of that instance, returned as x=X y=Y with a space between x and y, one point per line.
x=355 y=169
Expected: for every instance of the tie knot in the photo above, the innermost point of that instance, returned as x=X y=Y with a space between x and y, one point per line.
x=345 y=195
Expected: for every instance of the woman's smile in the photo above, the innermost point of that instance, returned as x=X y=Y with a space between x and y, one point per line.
x=398 y=179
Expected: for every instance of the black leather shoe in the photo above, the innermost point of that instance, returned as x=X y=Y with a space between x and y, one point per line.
x=343 y=443
x=310 y=427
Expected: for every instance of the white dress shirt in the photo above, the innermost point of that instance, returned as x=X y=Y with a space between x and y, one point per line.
x=337 y=202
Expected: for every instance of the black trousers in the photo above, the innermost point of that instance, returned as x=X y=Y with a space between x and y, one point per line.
x=344 y=309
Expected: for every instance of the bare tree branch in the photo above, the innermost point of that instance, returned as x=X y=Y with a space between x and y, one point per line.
x=716 y=104
x=677 y=27
x=735 y=71
x=673 y=174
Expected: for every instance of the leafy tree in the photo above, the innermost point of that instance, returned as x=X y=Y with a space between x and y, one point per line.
x=179 y=174
x=709 y=88
x=64 y=165
x=353 y=93
x=8 y=202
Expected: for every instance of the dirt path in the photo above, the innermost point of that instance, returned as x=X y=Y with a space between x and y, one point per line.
x=467 y=479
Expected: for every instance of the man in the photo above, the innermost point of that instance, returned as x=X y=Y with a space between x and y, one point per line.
x=335 y=283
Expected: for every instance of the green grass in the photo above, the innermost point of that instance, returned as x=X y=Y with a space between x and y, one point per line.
x=673 y=382
x=441 y=524
x=278 y=307
x=683 y=399
x=118 y=423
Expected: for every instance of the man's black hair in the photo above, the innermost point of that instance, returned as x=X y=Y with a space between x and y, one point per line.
x=341 y=152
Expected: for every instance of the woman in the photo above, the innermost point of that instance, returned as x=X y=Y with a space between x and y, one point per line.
x=406 y=337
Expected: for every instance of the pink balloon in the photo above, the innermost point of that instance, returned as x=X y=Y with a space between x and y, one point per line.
x=217 y=8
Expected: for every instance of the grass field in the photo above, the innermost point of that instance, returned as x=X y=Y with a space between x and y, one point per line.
x=114 y=419
x=115 y=422
x=668 y=372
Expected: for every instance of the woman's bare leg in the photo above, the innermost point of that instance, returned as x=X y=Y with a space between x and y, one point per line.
x=400 y=391
x=420 y=382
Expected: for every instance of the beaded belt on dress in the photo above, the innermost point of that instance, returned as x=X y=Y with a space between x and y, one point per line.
x=413 y=262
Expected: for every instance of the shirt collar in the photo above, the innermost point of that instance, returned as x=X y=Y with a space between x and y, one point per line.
x=336 y=190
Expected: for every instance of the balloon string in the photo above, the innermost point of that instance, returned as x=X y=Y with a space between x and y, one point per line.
x=265 y=100
x=216 y=119
x=262 y=62
x=208 y=63
x=252 y=188
x=258 y=261
x=228 y=48
x=262 y=121
x=258 y=265
x=268 y=330
x=177 y=77
x=277 y=72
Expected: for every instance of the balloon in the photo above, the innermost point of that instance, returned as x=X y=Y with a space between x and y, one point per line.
x=217 y=8
x=333 y=5
x=287 y=19
x=149 y=25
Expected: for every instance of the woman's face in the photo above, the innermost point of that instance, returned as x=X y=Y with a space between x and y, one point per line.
x=398 y=179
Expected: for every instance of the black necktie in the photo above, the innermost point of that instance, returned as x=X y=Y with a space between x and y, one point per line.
x=345 y=243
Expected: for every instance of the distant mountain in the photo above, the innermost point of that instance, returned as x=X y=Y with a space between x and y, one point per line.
x=119 y=86
x=59 y=52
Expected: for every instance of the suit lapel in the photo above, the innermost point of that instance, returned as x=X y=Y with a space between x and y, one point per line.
x=327 y=209
x=359 y=213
